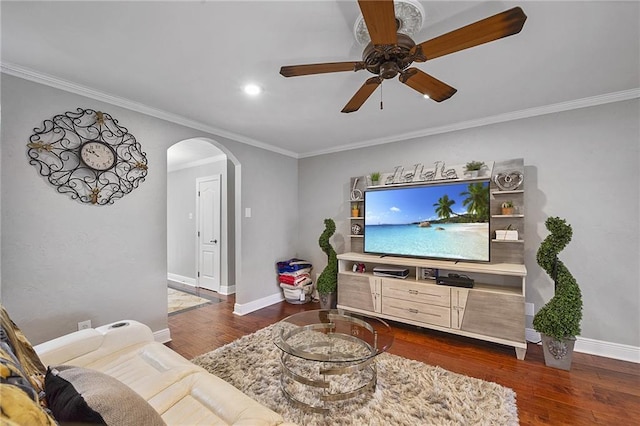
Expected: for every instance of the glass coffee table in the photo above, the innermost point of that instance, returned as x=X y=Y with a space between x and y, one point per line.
x=328 y=356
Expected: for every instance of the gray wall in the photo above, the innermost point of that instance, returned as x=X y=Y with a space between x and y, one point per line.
x=581 y=165
x=181 y=219
x=64 y=262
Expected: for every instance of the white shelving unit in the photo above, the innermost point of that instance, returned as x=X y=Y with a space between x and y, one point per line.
x=493 y=310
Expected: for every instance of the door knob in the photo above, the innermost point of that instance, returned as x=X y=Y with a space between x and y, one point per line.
x=214 y=241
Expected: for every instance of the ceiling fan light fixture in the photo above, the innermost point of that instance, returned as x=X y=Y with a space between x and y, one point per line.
x=389 y=70
x=409 y=17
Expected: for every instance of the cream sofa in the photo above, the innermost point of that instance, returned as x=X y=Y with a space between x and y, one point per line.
x=181 y=392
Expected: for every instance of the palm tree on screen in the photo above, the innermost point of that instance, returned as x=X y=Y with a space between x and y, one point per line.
x=476 y=201
x=443 y=206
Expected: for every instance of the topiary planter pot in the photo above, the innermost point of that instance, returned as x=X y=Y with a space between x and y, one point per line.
x=558 y=353
x=328 y=300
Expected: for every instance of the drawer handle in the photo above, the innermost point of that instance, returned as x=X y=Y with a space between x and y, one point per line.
x=416 y=292
x=413 y=311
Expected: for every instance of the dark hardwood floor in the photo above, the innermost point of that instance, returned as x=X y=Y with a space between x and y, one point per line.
x=596 y=391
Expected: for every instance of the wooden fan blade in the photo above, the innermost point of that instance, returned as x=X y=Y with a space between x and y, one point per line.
x=427 y=85
x=380 y=17
x=362 y=94
x=298 y=70
x=495 y=27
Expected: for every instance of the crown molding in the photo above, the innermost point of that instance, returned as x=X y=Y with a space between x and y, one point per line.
x=623 y=95
x=38 y=77
x=68 y=86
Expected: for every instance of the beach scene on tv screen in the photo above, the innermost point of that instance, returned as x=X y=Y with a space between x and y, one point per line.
x=438 y=221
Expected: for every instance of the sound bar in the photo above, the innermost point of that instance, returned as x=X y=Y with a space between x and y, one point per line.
x=455 y=282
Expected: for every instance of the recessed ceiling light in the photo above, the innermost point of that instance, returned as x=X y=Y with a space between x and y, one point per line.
x=252 y=89
x=425 y=96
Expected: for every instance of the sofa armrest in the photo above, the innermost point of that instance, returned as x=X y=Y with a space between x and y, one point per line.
x=81 y=347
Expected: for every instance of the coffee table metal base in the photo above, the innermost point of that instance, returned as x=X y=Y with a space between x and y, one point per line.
x=328 y=357
x=327 y=384
x=323 y=369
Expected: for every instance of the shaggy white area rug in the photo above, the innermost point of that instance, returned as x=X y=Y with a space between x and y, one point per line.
x=408 y=392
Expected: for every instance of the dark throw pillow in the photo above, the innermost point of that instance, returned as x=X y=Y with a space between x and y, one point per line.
x=81 y=395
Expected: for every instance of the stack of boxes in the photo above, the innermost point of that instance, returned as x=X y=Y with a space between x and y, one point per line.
x=294 y=276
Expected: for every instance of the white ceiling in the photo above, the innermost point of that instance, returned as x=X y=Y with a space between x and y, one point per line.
x=189 y=60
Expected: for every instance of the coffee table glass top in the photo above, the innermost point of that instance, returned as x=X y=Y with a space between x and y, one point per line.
x=332 y=336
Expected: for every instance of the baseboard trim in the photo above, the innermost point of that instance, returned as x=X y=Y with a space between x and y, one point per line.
x=608 y=349
x=181 y=279
x=227 y=289
x=162 y=336
x=596 y=347
x=247 y=308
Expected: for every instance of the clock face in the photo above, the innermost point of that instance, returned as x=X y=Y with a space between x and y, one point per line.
x=97 y=155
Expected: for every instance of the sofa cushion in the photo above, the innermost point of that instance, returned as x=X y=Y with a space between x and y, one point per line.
x=81 y=395
x=147 y=369
x=204 y=399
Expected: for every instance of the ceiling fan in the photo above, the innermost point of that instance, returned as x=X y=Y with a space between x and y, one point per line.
x=391 y=53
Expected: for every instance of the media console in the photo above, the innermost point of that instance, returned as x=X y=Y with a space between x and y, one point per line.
x=493 y=310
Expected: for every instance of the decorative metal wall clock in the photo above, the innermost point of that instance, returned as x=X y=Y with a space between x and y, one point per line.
x=88 y=155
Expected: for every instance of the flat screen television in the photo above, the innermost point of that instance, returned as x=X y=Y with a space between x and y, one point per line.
x=438 y=221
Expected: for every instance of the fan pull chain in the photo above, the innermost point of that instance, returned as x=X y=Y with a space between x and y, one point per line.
x=381 y=96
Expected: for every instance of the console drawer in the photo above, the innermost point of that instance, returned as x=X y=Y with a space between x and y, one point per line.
x=431 y=294
x=429 y=314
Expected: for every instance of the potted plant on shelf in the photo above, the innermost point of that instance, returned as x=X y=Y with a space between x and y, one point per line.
x=328 y=279
x=375 y=178
x=473 y=168
x=559 y=320
x=507 y=207
x=355 y=210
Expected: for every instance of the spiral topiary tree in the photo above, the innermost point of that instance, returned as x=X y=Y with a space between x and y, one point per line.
x=328 y=279
x=560 y=317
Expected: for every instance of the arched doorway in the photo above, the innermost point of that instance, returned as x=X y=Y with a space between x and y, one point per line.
x=190 y=164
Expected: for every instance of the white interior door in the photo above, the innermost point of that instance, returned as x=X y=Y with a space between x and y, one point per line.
x=208 y=235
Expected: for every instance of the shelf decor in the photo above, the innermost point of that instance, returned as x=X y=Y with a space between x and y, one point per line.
x=507 y=208
x=473 y=168
x=356 y=194
x=508 y=181
x=375 y=178
x=507 y=234
x=355 y=210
